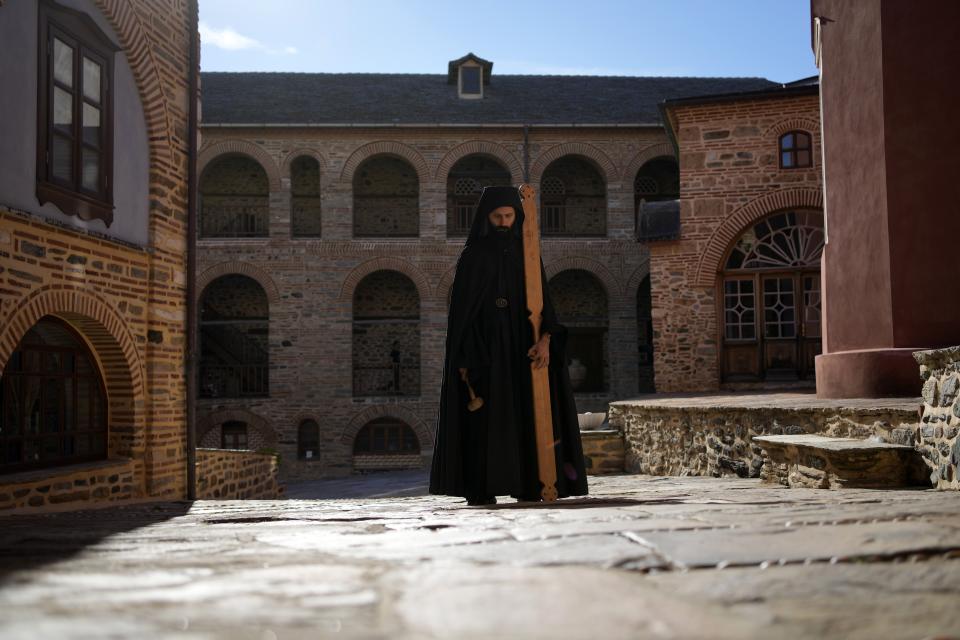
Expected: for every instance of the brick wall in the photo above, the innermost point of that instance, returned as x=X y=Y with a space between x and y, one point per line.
x=237 y=475
x=729 y=178
x=311 y=283
x=127 y=302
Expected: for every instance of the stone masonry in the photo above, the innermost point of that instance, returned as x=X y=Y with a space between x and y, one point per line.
x=237 y=475
x=938 y=438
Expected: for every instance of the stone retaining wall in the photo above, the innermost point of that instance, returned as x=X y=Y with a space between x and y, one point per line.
x=603 y=451
x=237 y=475
x=107 y=481
x=716 y=440
x=937 y=438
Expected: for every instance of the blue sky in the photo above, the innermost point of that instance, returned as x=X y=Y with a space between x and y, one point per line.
x=768 y=38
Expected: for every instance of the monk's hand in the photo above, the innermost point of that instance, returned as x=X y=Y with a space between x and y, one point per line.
x=463 y=373
x=540 y=353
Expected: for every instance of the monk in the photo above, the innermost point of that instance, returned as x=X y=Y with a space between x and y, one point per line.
x=491 y=451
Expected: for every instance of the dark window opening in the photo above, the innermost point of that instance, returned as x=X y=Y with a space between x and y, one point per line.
x=233 y=435
x=234 y=331
x=75 y=114
x=53 y=405
x=386 y=436
x=573 y=199
x=795 y=150
x=470 y=80
x=305 y=198
x=308 y=440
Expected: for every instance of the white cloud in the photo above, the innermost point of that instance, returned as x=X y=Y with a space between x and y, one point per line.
x=230 y=40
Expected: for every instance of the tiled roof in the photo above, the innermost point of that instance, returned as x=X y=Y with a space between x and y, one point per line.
x=377 y=98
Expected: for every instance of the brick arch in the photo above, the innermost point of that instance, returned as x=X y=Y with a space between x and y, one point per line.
x=484 y=148
x=246 y=148
x=793 y=124
x=385 y=263
x=296 y=153
x=633 y=283
x=733 y=226
x=443 y=287
x=124 y=20
x=424 y=435
x=385 y=147
x=256 y=422
x=644 y=156
x=112 y=344
x=598 y=157
x=594 y=268
x=242 y=269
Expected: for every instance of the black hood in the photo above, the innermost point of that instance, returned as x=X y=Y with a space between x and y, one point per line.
x=490 y=199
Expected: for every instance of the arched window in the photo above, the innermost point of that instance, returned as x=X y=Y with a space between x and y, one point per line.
x=464 y=184
x=795 y=150
x=53 y=405
x=234 y=198
x=305 y=197
x=234 y=327
x=386 y=436
x=233 y=435
x=770 y=287
x=386 y=336
x=308 y=440
x=573 y=198
x=386 y=198
x=581 y=304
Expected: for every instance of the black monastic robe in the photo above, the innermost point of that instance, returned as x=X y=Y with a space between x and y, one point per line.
x=492 y=451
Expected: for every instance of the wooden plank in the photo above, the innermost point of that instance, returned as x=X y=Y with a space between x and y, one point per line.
x=543 y=416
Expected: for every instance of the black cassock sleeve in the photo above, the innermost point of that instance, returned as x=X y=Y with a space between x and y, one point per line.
x=468 y=346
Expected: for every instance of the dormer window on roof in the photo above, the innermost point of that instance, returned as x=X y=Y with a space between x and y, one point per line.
x=470 y=73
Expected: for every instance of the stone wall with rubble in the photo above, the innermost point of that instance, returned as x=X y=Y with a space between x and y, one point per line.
x=730 y=177
x=310 y=282
x=938 y=438
x=718 y=440
x=237 y=475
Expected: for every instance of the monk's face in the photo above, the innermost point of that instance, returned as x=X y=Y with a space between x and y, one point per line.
x=502 y=217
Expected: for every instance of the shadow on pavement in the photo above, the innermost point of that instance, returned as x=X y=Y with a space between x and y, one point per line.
x=31 y=540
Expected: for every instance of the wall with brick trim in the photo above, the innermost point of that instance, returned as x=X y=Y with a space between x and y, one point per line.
x=127 y=302
x=729 y=178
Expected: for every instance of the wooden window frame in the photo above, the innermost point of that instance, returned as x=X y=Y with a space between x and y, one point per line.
x=795 y=149
x=81 y=33
x=236 y=428
x=469 y=95
x=97 y=425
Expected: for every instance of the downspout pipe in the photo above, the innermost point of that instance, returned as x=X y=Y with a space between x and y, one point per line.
x=193 y=97
x=526 y=153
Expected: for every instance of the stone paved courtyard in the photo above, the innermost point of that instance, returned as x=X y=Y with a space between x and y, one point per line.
x=642 y=557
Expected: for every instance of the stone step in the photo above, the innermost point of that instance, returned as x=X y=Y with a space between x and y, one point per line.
x=821 y=462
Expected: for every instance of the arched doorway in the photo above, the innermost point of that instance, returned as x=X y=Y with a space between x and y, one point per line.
x=386 y=443
x=386 y=198
x=234 y=329
x=464 y=184
x=53 y=403
x=770 y=293
x=573 y=198
x=581 y=304
x=234 y=198
x=386 y=336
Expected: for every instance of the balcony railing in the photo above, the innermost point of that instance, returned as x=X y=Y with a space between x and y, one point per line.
x=234 y=380
x=233 y=220
x=393 y=380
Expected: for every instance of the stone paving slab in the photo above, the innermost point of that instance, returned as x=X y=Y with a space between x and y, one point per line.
x=769 y=400
x=640 y=557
